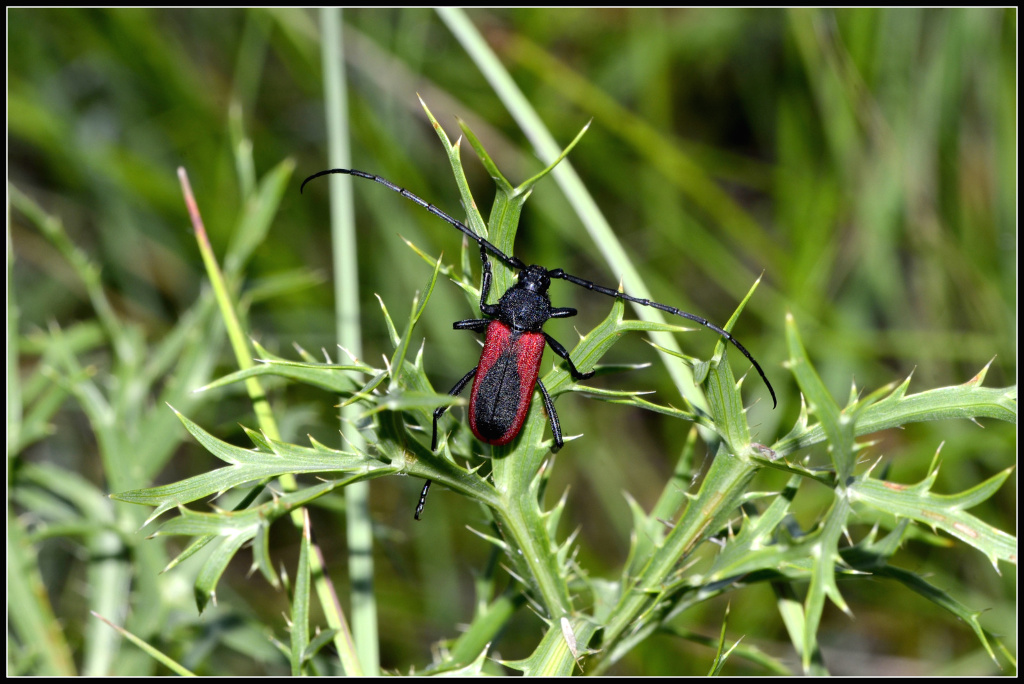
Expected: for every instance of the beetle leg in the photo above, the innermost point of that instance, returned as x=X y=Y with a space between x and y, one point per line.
x=439 y=411
x=561 y=351
x=423 y=500
x=562 y=312
x=474 y=324
x=556 y=428
x=485 y=285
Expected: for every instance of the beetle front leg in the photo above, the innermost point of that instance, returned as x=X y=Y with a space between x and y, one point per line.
x=561 y=351
x=485 y=286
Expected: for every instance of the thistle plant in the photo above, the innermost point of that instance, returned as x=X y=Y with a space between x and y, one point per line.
x=862 y=160
x=592 y=622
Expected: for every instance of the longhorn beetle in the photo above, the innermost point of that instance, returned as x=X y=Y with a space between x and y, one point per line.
x=514 y=339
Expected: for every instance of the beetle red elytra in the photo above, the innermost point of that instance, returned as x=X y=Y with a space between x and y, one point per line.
x=514 y=339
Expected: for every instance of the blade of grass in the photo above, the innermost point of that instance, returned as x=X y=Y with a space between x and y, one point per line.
x=359 y=531
x=160 y=657
x=300 y=600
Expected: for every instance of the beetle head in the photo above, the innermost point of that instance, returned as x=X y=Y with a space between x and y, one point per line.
x=534 y=278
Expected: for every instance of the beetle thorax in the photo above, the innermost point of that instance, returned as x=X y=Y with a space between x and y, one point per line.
x=523 y=308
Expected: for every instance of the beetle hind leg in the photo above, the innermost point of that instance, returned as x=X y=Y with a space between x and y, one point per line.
x=561 y=351
x=556 y=428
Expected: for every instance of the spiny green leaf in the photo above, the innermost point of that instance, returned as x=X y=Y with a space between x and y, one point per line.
x=473 y=217
x=941 y=511
x=824 y=556
x=331 y=377
x=527 y=185
x=503 y=185
x=249 y=465
x=968 y=400
x=226 y=523
x=392 y=331
x=559 y=652
x=838 y=426
x=224 y=549
x=726 y=406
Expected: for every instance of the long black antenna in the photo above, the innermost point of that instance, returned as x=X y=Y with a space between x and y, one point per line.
x=557 y=273
x=508 y=260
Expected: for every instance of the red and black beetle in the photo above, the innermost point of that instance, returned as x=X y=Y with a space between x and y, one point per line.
x=510 y=362
x=514 y=339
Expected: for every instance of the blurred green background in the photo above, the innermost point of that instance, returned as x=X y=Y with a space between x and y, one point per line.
x=864 y=160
